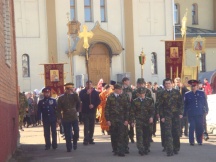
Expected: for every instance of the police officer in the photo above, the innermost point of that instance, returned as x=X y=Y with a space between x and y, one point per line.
x=143 y=112
x=195 y=106
x=68 y=106
x=47 y=107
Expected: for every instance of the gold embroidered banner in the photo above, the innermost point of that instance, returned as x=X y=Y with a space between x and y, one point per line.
x=173 y=58
x=54 y=78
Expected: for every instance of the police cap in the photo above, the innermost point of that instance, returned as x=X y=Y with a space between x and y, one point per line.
x=46 y=89
x=141 y=90
x=193 y=82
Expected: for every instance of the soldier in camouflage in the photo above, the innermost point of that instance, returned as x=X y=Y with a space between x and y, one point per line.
x=23 y=104
x=127 y=90
x=171 y=110
x=117 y=115
x=143 y=112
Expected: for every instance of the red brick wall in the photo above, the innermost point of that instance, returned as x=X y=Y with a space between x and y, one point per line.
x=8 y=92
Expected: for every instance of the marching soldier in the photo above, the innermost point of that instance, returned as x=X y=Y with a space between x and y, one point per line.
x=195 y=107
x=68 y=106
x=23 y=104
x=47 y=107
x=117 y=115
x=171 y=110
x=143 y=112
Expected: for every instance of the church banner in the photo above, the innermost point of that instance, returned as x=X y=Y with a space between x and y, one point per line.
x=173 y=58
x=54 y=78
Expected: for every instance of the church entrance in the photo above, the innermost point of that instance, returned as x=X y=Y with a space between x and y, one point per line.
x=99 y=63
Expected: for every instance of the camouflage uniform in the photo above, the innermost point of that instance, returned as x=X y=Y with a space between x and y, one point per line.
x=117 y=112
x=23 y=104
x=159 y=92
x=129 y=131
x=170 y=107
x=142 y=110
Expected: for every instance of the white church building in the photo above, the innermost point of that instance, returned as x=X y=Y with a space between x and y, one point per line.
x=121 y=28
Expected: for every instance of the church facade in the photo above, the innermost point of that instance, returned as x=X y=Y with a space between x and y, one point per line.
x=122 y=29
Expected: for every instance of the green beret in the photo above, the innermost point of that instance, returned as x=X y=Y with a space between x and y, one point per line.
x=141 y=90
x=141 y=80
x=117 y=86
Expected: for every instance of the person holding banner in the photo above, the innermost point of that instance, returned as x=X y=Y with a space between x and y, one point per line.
x=195 y=107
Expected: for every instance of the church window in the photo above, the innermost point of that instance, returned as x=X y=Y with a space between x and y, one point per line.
x=25 y=66
x=202 y=62
x=194 y=14
x=88 y=10
x=154 y=63
x=103 y=10
x=176 y=13
x=7 y=32
x=73 y=10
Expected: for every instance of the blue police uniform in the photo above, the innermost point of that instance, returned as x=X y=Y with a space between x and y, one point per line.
x=195 y=105
x=48 y=107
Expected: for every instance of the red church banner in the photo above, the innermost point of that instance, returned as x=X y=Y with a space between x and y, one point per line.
x=54 y=78
x=173 y=58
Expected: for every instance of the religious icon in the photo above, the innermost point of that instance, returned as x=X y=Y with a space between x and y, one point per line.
x=198 y=45
x=54 y=75
x=174 y=52
x=186 y=79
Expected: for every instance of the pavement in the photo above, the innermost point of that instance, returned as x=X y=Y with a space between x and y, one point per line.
x=32 y=150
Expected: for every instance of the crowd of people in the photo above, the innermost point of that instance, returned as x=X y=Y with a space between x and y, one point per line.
x=120 y=108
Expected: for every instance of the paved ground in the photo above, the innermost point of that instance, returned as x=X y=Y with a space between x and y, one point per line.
x=32 y=146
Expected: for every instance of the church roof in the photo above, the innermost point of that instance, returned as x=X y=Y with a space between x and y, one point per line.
x=194 y=32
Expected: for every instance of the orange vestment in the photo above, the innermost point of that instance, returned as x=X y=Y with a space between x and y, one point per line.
x=103 y=97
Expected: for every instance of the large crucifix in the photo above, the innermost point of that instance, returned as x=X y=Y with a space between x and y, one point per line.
x=85 y=35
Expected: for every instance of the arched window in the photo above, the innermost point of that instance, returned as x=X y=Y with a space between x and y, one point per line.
x=177 y=13
x=7 y=31
x=153 y=63
x=202 y=62
x=25 y=66
x=88 y=10
x=194 y=14
x=73 y=10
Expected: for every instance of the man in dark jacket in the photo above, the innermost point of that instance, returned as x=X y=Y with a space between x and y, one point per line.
x=47 y=107
x=90 y=101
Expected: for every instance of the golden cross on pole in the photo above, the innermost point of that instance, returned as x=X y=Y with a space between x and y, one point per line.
x=85 y=35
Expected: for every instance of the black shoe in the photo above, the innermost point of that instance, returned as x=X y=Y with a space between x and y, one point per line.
x=92 y=143
x=47 y=148
x=170 y=154
x=115 y=153
x=141 y=153
x=132 y=140
x=54 y=147
x=175 y=152
x=85 y=143
x=121 y=154
x=164 y=150
x=192 y=144
x=74 y=147
x=68 y=150
x=200 y=144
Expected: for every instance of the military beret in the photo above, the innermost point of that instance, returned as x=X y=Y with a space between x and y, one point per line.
x=141 y=80
x=112 y=82
x=46 y=89
x=103 y=84
x=193 y=82
x=69 y=85
x=141 y=90
x=117 y=86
